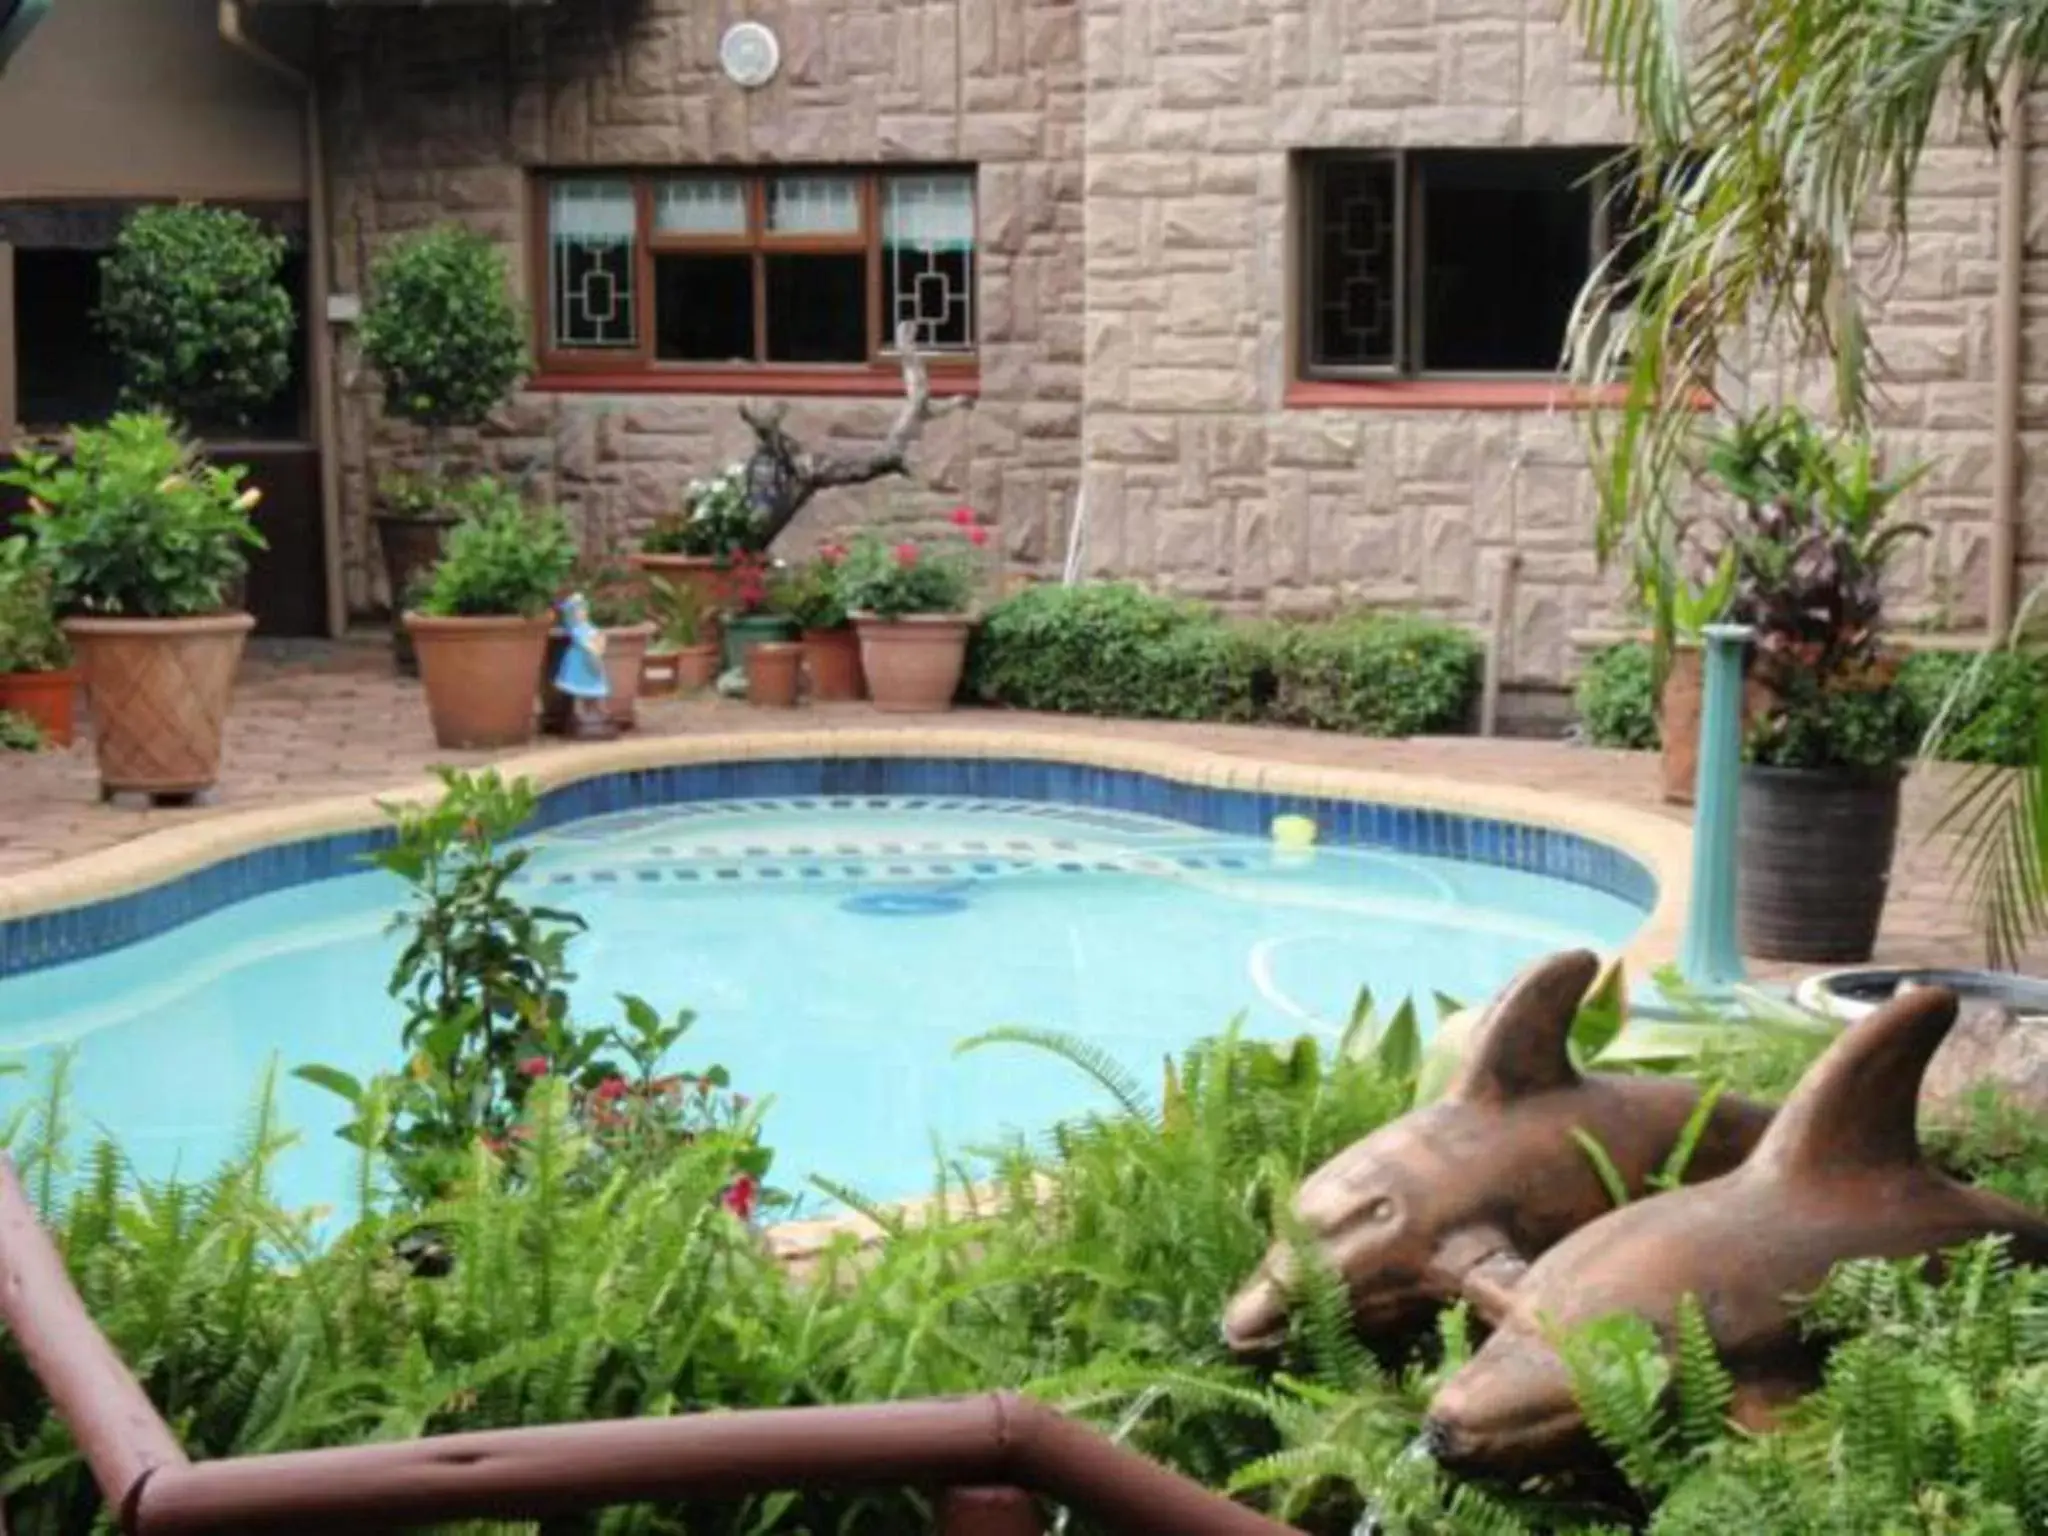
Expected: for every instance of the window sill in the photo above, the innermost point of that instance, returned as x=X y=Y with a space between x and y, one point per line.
x=1450 y=395
x=850 y=382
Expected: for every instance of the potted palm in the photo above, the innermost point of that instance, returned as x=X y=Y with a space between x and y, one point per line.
x=144 y=543
x=449 y=344
x=37 y=680
x=685 y=644
x=481 y=627
x=1820 y=786
x=910 y=604
x=810 y=595
x=619 y=608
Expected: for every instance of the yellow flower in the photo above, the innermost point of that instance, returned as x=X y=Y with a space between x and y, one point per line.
x=246 y=502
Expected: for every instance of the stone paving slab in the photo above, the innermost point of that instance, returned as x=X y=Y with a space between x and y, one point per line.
x=312 y=720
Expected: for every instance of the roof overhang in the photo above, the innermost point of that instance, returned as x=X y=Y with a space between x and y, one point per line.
x=18 y=18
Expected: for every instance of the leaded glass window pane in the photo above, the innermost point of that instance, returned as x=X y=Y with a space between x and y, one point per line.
x=591 y=298
x=1355 y=320
x=928 y=258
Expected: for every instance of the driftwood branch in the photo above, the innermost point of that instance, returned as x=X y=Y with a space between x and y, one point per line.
x=783 y=475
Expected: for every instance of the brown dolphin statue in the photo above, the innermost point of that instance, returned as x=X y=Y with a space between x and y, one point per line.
x=1454 y=1199
x=1838 y=1176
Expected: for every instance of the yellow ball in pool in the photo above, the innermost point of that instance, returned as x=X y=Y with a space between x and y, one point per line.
x=1294 y=832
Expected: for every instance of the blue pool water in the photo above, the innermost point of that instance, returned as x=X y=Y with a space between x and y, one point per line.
x=834 y=953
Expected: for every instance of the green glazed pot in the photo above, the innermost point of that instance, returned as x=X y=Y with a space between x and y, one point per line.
x=746 y=630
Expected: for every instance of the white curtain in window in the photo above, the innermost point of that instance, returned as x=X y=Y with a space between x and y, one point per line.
x=701 y=205
x=591 y=212
x=814 y=205
x=932 y=213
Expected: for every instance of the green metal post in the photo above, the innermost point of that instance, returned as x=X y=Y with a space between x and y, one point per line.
x=1710 y=958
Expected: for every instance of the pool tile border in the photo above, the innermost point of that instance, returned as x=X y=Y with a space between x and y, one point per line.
x=122 y=895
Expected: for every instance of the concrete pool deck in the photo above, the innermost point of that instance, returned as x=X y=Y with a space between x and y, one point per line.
x=329 y=722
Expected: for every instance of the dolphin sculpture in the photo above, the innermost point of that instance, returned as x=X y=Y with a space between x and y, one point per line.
x=1839 y=1175
x=1454 y=1200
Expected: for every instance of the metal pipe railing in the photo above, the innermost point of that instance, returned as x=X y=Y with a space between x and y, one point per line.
x=981 y=1451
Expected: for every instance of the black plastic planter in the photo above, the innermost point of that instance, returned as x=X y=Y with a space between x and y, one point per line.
x=1814 y=854
x=411 y=547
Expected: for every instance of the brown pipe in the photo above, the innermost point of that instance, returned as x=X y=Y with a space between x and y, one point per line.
x=118 y=1430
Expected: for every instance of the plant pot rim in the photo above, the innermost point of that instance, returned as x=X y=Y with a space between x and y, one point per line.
x=913 y=618
x=675 y=557
x=2025 y=995
x=231 y=622
x=779 y=620
x=52 y=676
x=644 y=627
x=1859 y=778
x=774 y=647
x=420 y=623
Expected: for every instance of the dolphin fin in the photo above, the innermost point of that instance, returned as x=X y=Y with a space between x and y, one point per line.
x=1521 y=1046
x=1856 y=1106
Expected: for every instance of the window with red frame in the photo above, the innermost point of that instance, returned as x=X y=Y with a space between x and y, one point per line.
x=794 y=269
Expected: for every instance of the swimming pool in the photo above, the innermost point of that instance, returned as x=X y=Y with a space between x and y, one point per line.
x=836 y=947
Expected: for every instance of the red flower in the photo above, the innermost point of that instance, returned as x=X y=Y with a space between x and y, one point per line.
x=611 y=1088
x=832 y=554
x=534 y=1066
x=963 y=517
x=977 y=537
x=495 y=1145
x=739 y=1196
x=906 y=554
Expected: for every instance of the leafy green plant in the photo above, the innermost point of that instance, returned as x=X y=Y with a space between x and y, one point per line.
x=811 y=594
x=1376 y=675
x=896 y=580
x=508 y=560
x=1868 y=726
x=617 y=597
x=193 y=302
x=441 y=328
x=30 y=640
x=1998 y=699
x=432 y=494
x=134 y=522
x=718 y=520
x=1617 y=699
x=18 y=733
x=679 y=612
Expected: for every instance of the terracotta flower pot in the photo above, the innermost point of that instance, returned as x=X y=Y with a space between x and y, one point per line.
x=624 y=649
x=411 y=546
x=481 y=677
x=658 y=674
x=159 y=692
x=832 y=658
x=914 y=663
x=773 y=667
x=46 y=698
x=697 y=666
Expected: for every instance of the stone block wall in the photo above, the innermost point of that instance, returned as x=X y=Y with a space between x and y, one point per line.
x=1136 y=183
x=446 y=114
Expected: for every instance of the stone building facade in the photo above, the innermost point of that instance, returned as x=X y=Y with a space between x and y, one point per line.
x=1142 y=173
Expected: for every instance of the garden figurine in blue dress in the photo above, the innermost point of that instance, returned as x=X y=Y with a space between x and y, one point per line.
x=581 y=673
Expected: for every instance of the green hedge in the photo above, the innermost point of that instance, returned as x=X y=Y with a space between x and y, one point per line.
x=1999 y=721
x=1116 y=649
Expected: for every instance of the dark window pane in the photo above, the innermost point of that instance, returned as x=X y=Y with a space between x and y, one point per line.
x=65 y=371
x=704 y=309
x=817 y=309
x=1506 y=246
x=1354 y=230
x=928 y=258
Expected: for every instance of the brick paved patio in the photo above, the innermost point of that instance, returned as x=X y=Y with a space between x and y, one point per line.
x=320 y=719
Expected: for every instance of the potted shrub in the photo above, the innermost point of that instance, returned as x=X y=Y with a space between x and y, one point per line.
x=481 y=628
x=810 y=595
x=755 y=616
x=618 y=607
x=445 y=337
x=685 y=636
x=36 y=677
x=909 y=603
x=1820 y=787
x=144 y=542
x=705 y=543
